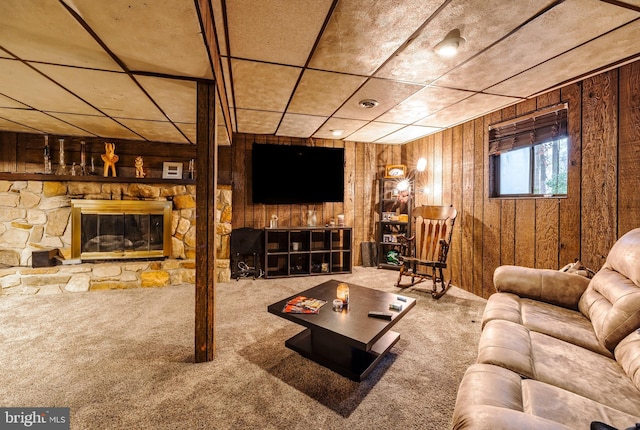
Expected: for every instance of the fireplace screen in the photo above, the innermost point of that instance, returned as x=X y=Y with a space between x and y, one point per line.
x=106 y=229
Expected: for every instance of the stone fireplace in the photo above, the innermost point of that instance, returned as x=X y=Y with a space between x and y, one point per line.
x=120 y=229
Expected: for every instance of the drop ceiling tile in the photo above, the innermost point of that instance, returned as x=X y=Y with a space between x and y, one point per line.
x=387 y=93
x=160 y=36
x=294 y=125
x=423 y=103
x=488 y=22
x=373 y=131
x=175 y=97
x=467 y=109
x=189 y=130
x=6 y=125
x=535 y=43
x=10 y=103
x=157 y=131
x=257 y=122
x=41 y=121
x=263 y=86
x=347 y=126
x=321 y=93
x=407 y=134
x=27 y=86
x=45 y=31
x=282 y=32
x=115 y=94
x=599 y=53
x=359 y=38
x=98 y=125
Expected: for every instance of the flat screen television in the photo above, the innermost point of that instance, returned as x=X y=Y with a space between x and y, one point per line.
x=285 y=174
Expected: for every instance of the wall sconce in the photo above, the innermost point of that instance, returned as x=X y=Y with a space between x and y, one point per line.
x=405 y=184
x=449 y=46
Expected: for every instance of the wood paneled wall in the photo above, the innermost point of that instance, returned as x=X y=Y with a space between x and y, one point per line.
x=603 y=201
x=363 y=163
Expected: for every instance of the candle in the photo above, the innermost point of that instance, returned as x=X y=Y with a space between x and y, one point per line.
x=343 y=292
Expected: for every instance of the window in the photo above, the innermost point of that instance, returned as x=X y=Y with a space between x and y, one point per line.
x=529 y=156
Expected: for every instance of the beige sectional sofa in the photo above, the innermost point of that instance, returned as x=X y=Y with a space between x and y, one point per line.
x=558 y=350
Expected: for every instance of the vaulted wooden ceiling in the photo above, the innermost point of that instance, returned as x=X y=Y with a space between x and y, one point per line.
x=298 y=68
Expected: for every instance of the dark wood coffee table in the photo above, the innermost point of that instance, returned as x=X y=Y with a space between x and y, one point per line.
x=349 y=342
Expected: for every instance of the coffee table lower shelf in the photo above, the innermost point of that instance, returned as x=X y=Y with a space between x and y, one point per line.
x=352 y=363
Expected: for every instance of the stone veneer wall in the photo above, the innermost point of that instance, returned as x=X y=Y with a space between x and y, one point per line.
x=35 y=215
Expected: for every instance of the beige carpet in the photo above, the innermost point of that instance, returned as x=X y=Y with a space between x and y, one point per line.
x=123 y=360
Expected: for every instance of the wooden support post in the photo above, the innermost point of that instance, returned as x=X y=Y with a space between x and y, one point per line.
x=206 y=174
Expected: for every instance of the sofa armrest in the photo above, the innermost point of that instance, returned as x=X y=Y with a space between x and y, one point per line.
x=550 y=286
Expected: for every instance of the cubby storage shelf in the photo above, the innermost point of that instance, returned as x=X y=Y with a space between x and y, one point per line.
x=305 y=251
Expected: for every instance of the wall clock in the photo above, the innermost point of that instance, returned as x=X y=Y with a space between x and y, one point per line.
x=395 y=171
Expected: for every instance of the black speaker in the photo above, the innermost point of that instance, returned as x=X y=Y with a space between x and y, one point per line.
x=247 y=248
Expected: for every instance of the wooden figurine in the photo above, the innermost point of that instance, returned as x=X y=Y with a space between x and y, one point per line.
x=110 y=159
x=139 y=167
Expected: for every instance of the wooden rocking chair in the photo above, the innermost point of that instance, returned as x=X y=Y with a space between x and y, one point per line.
x=424 y=255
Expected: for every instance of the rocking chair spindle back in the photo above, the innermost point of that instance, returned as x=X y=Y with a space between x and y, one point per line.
x=425 y=254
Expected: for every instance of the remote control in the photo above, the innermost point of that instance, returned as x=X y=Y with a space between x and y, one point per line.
x=381 y=315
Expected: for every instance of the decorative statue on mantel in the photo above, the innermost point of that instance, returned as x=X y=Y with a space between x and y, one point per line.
x=110 y=159
x=139 y=167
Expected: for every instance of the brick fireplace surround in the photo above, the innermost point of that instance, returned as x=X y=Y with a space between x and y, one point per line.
x=35 y=215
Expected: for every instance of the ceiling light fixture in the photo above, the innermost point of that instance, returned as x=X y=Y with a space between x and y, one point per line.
x=337 y=132
x=450 y=44
x=368 y=103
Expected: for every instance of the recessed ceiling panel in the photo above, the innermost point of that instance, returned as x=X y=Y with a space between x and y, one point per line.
x=281 y=32
x=98 y=125
x=115 y=94
x=45 y=31
x=161 y=36
x=12 y=126
x=387 y=94
x=175 y=97
x=423 y=103
x=41 y=121
x=10 y=103
x=294 y=125
x=27 y=86
x=321 y=93
x=373 y=131
x=407 y=134
x=257 y=122
x=535 y=43
x=263 y=86
x=488 y=22
x=360 y=37
x=347 y=126
x=156 y=131
x=599 y=53
x=467 y=109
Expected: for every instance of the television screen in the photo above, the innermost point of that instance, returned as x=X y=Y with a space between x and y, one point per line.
x=284 y=174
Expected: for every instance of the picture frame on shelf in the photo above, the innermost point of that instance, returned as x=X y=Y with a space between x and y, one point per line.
x=171 y=170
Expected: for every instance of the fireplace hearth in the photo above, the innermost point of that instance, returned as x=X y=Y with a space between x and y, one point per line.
x=120 y=229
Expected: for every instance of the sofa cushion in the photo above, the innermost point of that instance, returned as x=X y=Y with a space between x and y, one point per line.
x=628 y=355
x=612 y=299
x=491 y=397
x=612 y=303
x=559 y=363
x=556 y=321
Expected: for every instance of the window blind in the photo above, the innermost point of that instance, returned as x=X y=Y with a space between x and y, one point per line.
x=529 y=130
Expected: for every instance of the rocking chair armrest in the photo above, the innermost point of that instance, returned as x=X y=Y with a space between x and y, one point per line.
x=550 y=286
